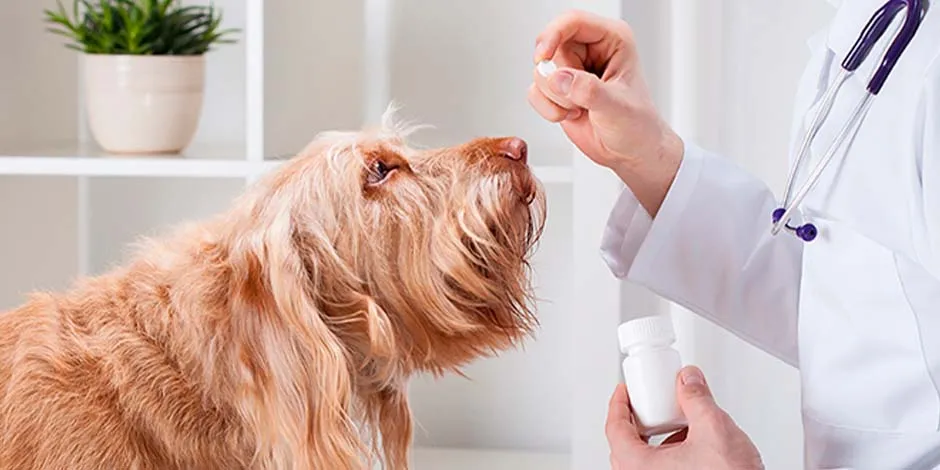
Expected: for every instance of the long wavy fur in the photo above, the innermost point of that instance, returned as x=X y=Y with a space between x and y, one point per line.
x=281 y=334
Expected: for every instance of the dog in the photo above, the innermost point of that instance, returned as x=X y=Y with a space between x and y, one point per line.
x=281 y=333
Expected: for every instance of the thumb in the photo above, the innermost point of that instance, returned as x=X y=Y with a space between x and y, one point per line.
x=582 y=89
x=622 y=437
x=696 y=399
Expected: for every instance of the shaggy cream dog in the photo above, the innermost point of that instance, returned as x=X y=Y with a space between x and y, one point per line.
x=281 y=334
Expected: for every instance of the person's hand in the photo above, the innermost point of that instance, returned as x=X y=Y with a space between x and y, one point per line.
x=599 y=96
x=712 y=439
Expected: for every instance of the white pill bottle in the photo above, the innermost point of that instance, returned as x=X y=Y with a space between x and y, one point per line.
x=650 y=372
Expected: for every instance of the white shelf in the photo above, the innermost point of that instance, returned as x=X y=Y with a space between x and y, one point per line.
x=222 y=161
x=156 y=167
x=125 y=167
x=225 y=151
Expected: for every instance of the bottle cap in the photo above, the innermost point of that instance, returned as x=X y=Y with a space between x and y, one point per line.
x=652 y=329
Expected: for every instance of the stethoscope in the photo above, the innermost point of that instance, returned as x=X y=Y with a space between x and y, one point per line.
x=872 y=33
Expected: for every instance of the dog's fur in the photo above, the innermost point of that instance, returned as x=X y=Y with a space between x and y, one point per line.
x=281 y=334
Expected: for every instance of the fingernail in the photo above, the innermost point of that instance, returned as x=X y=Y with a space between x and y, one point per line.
x=561 y=82
x=692 y=376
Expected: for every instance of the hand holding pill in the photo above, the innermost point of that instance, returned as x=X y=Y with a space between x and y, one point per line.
x=587 y=77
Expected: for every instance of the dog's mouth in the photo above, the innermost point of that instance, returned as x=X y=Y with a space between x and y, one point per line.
x=524 y=184
x=512 y=235
x=520 y=178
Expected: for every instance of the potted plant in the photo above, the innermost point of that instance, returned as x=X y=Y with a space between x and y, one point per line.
x=144 y=68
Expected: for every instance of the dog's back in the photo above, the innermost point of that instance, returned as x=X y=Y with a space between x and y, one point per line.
x=57 y=408
x=87 y=381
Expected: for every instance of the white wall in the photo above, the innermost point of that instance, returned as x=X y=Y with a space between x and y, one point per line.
x=223 y=119
x=313 y=70
x=35 y=212
x=121 y=211
x=735 y=97
x=37 y=240
x=465 y=67
x=28 y=52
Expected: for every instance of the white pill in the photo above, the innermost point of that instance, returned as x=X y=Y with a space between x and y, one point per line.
x=546 y=67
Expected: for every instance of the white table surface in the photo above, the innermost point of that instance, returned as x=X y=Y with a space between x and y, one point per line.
x=475 y=459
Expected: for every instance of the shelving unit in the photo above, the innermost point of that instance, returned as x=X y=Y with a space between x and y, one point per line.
x=305 y=66
x=157 y=167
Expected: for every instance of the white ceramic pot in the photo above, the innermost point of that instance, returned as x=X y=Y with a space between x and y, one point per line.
x=143 y=104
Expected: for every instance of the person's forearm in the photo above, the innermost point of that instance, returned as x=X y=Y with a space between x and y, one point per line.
x=650 y=178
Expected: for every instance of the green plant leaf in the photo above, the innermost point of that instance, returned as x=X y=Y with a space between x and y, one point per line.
x=156 y=27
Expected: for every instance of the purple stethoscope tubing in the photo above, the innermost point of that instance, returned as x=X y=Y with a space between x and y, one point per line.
x=873 y=32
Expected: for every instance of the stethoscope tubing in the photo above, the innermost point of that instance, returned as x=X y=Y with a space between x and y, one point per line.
x=851 y=126
x=873 y=32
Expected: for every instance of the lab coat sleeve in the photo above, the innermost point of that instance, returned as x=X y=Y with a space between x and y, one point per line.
x=709 y=250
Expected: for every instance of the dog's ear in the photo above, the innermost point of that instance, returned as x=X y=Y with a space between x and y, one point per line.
x=295 y=368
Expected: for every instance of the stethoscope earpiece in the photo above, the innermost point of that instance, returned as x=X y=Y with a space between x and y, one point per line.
x=806 y=232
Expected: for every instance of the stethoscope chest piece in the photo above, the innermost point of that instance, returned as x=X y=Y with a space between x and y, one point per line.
x=806 y=232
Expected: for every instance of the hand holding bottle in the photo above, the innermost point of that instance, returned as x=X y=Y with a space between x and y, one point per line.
x=712 y=439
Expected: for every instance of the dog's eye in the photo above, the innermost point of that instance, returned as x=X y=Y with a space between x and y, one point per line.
x=378 y=172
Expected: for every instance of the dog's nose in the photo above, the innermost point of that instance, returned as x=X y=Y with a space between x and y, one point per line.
x=515 y=149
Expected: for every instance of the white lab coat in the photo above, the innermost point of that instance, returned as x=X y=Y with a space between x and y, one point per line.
x=858 y=309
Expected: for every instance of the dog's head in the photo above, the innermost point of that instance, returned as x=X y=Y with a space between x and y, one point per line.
x=418 y=256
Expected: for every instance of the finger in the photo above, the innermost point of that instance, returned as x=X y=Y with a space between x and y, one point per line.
x=550 y=91
x=578 y=26
x=571 y=55
x=622 y=437
x=572 y=89
x=697 y=402
x=547 y=109
x=565 y=57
